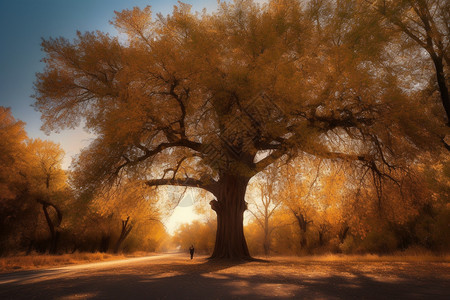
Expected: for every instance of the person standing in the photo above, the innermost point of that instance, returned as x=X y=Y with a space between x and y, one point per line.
x=191 y=251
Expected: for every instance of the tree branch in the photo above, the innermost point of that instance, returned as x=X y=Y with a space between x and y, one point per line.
x=149 y=153
x=187 y=182
x=257 y=219
x=271 y=158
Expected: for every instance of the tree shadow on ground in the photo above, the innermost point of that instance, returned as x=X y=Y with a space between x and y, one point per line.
x=225 y=280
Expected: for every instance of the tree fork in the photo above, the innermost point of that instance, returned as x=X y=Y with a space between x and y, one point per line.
x=126 y=229
x=54 y=233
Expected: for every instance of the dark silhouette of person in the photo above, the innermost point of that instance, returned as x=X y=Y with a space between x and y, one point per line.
x=191 y=251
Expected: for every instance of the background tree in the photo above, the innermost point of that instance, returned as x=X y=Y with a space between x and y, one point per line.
x=32 y=186
x=127 y=208
x=39 y=211
x=13 y=157
x=264 y=189
x=299 y=191
x=48 y=182
x=200 y=234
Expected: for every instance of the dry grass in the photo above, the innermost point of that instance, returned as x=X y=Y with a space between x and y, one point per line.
x=369 y=258
x=413 y=254
x=37 y=261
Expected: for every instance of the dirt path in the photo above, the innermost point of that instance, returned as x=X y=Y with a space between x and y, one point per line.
x=174 y=276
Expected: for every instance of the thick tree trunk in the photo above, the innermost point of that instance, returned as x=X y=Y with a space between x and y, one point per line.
x=303 y=242
x=229 y=207
x=303 y=226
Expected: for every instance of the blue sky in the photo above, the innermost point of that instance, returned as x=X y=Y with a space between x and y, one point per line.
x=22 y=25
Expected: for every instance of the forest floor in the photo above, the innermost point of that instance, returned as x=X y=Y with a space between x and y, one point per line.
x=175 y=276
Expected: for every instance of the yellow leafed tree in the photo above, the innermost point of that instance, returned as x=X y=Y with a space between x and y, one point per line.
x=210 y=100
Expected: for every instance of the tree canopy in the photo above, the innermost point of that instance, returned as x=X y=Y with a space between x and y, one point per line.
x=210 y=100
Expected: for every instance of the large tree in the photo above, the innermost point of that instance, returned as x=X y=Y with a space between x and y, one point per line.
x=210 y=100
x=264 y=208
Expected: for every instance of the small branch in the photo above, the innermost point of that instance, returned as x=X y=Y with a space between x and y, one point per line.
x=257 y=219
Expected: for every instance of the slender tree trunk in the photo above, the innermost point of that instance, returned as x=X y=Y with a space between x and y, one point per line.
x=229 y=207
x=54 y=233
x=126 y=229
x=54 y=230
x=322 y=230
x=443 y=89
x=343 y=233
x=266 y=235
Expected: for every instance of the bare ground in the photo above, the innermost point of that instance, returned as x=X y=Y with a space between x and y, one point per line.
x=175 y=276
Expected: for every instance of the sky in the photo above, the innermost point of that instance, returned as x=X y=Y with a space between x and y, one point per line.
x=23 y=23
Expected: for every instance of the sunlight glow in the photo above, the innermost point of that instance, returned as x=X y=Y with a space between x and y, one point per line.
x=181 y=215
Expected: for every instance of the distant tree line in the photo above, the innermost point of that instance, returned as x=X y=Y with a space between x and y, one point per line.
x=296 y=211
x=40 y=211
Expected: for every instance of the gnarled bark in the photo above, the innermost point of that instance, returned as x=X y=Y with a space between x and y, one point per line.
x=229 y=207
